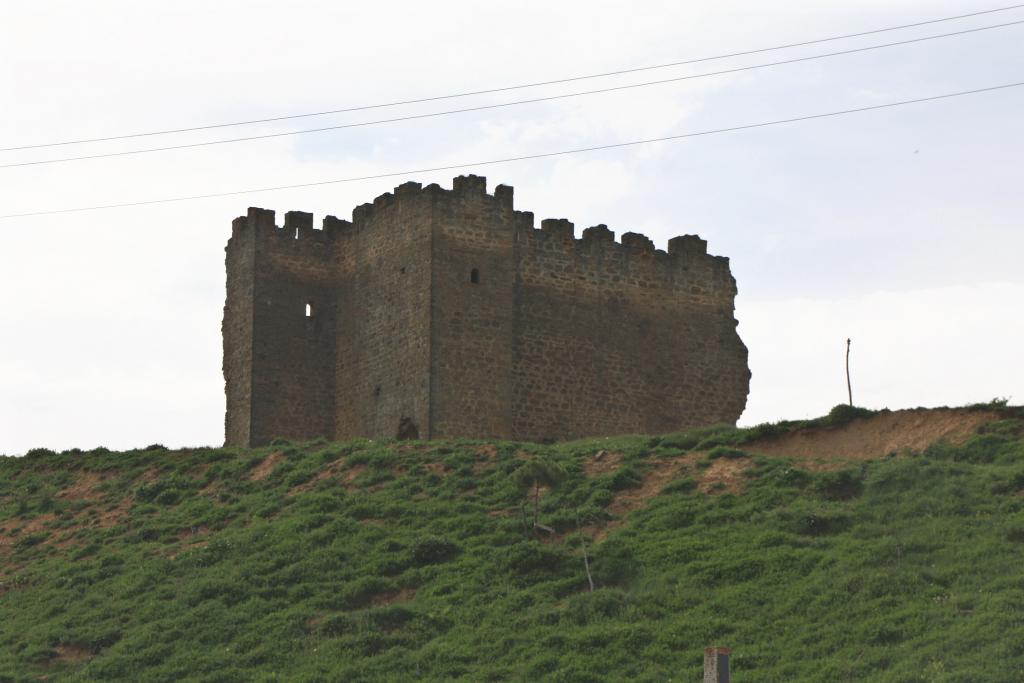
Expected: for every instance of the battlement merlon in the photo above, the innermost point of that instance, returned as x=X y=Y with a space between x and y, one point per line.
x=298 y=224
x=333 y=226
x=255 y=220
x=558 y=227
x=469 y=185
x=638 y=242
x=598 y=234
x=688 y=246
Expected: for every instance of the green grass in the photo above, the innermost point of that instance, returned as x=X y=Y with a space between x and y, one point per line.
x=178 y=566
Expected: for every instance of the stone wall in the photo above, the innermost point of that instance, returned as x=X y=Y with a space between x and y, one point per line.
x=620 y=338
x=473 y=311
x=236 y=332
x=280 y=357
x=442 y=313
x=383 y=284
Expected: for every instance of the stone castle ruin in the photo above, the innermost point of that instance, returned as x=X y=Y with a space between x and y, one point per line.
x=446 y=313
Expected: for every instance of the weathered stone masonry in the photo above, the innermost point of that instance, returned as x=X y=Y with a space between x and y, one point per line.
x=440 y=313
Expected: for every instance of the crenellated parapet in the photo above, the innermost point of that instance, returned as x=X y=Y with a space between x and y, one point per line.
x=683 y=251
x=414 y=195
x=684 y=267
x=297 y=230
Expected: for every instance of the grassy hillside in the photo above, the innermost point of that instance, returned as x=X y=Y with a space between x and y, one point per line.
x=380 y=560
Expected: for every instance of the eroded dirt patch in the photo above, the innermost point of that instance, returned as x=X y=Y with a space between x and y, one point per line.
x=85 y=486
x=435 y=467
x=351 y=475
x=725 y=475
x=114 y=516
x=487 y=451
x=97 y=516
x=486 y=456
x=602 y=462
x=70 y=653
x=24 y=528
x=655 y=478
x=876 y=436
x=266 y=467
x=199 y=471
x=404 y=595
x=332 y=470
x=147 y=477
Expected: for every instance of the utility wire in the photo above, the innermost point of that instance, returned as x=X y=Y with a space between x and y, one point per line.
x=525 y=157
x=500 y=105
x=512 y=87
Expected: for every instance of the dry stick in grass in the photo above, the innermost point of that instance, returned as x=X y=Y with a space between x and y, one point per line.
x=586 y=560
x=536 y=502
x=849 y=389
x=536 y=474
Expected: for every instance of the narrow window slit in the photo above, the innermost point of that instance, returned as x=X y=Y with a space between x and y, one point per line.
x=474 y=276
x=309 y=310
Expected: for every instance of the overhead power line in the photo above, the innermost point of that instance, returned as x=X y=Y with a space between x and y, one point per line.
x=524 y=157
x=535 y=84
x=500 y=105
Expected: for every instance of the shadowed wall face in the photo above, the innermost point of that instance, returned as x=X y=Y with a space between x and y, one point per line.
x=617 y=338
x=446 y=313
x=279 y=330
x=236 y=331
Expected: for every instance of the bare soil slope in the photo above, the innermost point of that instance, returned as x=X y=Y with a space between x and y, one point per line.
x=876 y=436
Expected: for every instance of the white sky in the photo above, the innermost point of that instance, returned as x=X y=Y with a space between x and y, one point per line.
x=899 y=228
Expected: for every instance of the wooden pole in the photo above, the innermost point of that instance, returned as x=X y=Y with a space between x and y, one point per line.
x=849 y=389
